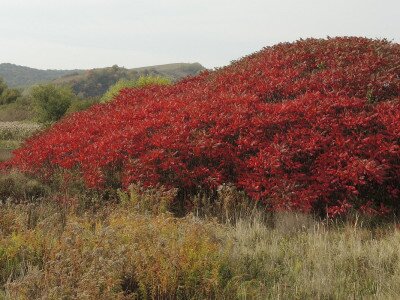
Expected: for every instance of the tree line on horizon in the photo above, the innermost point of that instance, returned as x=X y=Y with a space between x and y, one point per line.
x=48 y=102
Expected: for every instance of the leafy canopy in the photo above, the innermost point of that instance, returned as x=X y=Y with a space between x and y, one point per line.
x=52 y=101
x=7 y=95
x=312 y=125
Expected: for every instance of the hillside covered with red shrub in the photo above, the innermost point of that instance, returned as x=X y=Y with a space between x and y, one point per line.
x=312 y=125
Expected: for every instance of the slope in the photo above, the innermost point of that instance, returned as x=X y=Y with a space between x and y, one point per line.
x=312 y=125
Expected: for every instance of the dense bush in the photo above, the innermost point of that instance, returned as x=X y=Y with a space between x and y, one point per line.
x=81 y=104
x=312 y=125
x=7 y=95
x=52 y=101
x=141 y=82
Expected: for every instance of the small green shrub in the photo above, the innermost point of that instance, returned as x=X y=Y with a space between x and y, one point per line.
x=9 y=96
x=114 y=90
x=148 y=80
x=52 y=101
x=142 y=81
x=81 y=104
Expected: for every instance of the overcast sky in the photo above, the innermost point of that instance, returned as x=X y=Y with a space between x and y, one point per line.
x=69 y=34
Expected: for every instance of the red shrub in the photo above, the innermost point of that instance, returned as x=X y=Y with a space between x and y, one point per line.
x=312 y=125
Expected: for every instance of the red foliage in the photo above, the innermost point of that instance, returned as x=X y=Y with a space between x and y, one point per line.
x=311 y=125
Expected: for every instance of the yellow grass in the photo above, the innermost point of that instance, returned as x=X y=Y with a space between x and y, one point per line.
x=122 y=251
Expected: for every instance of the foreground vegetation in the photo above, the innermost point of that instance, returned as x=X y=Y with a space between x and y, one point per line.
x=134 y=248
x=190 y=191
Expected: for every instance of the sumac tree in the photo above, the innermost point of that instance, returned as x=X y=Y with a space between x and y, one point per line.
x=312 y=125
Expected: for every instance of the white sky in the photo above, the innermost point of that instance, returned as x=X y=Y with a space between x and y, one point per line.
x=69 y=34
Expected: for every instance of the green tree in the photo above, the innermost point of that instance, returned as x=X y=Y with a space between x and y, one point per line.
x=3 y=86
x=8 y=95
x=142 y=81
x=52 y=101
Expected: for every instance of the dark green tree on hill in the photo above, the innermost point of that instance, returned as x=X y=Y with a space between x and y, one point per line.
x=97 y=82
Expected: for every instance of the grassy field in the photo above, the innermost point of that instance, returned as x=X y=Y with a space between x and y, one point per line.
x=12 y=134
x=127 y=251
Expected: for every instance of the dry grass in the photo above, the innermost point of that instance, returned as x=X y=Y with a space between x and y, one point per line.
x=17 y=130
x=314 y=261
x=133 y=251
x=16 y=112
x=115 y=254
x=5 y=154
x=12 y=135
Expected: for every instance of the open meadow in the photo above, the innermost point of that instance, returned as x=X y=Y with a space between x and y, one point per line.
x=12 y=134
x=136 y=250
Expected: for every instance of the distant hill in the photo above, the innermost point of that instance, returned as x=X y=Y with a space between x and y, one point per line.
x=174 y=71
x=94 y=82
x=20 y=76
